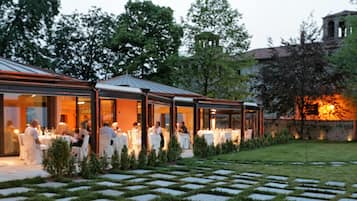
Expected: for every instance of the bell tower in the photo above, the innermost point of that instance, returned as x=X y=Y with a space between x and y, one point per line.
x=335 y=27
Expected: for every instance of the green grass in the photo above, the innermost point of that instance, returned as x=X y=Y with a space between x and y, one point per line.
x=299 y=152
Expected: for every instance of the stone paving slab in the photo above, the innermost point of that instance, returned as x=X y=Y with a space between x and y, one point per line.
x=318 y=195
x=145 y=197
x=107 y=183
x=243 y=181
x=192 y=186
x=216 y=177
x=162 y=176
x=161 y=183
x=81 y=180
x=52 y=185
x=14 y=199
x=137 y=180
x=118 y=177
x=220 y=183
x=169 y=191
x=79 y=188
x=223 y=172
x=67 y=199
x=136 y=187
x=243 y=177
x=354 y=195
x=49 y=195
x=318 y=163
x=354 y=185
x=311 y=181
x=279 y=178
x=207 y=197
x=110 y=192
x=101 y=200
x=9 y=191
x=347 y=199
x=274 y=190
x=294 y=198
x=258 y=196
x=276 y=185
x=196 y=180
x=241 y=186
x=335 y=183
x=139 y=171
x=250 y=174
x=227 y=190
x=321 y=190
x=179 y=172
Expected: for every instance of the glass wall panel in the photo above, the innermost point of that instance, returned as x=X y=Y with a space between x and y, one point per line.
x=66 y=112
x=222 y=120
x=185 y=116
x=107 y=111
x=84 y=112
x=161 y=114
x=19 y=110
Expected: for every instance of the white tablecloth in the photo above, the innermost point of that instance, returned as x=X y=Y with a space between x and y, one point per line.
x=120 y=141
x=46 y=139
x=248 y=134
x=208 y=136
x=154 y=141
x=226 y=136
x=184 y=140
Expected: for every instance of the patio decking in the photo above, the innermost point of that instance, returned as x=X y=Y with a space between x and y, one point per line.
x=12 y=168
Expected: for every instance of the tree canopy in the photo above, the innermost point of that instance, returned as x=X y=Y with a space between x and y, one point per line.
x=146 y=37
x=24 y=27
x=217 y=17
x=216 y=39
x=80 y=45
x=289 y=84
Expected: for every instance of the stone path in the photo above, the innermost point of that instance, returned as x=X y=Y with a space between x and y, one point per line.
x=189 y=183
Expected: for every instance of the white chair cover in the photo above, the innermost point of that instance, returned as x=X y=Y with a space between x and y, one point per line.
x=105 y=147
x=21 y=146
x=154 y=141
x=248 y=134
x=119 y=142
x=33 y=153
x=184 y=140
x=81 y=152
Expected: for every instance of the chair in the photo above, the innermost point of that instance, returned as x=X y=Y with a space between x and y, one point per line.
x=33 y=153
x=81 y=152
x=21 y=146
x=105 y=147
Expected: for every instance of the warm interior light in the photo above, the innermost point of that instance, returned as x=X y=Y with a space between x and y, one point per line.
x=33 y=95
x=16 y=131
x=349 y=138
x=81 y=102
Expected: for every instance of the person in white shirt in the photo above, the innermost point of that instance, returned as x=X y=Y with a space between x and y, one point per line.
x=32 y=130
x=107 y=130
x=158 y=131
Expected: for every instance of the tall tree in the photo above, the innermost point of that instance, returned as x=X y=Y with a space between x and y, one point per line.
x=217 y=17
x=216 y=39
x=147 y=36
x=24 y=26
x=288 y=85
x=80 y=45
x=345 y=59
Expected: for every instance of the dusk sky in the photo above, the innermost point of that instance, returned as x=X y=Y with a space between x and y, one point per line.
x=262 y=18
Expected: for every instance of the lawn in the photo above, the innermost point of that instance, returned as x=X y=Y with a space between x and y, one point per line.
x=298 y=152
x=279 y=159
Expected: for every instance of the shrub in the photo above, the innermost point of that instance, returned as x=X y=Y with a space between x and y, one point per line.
x=162 y=156
x=152 y=158
x=124 y=158
x=115 y=160
x=142 y=158
x=84 y=168
x=94 y=165
x=103 y=163
x=58 y=160
x=211 y=150
x=174 y=150
x=132 y=160
x=200 y=147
